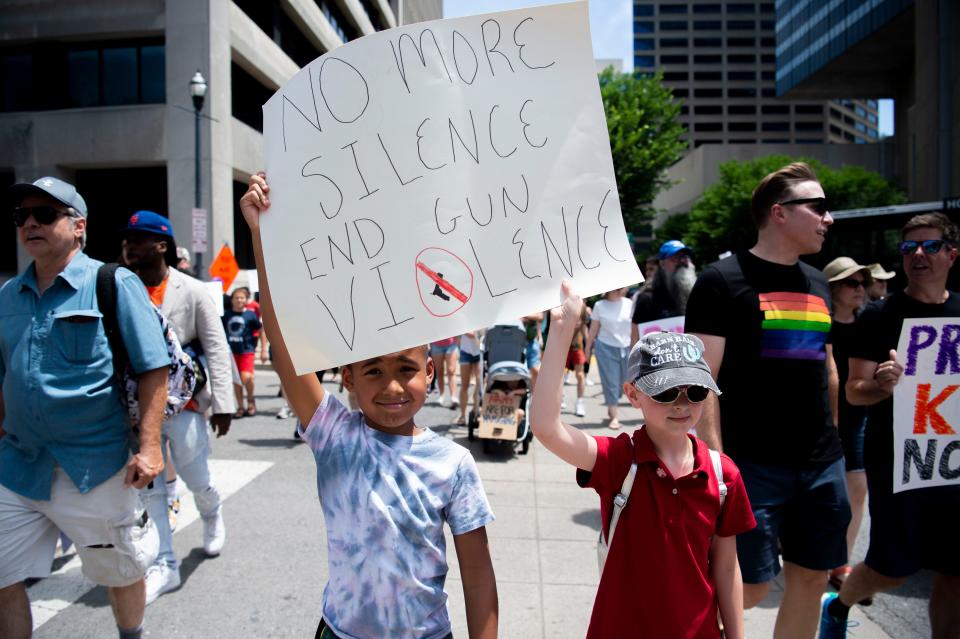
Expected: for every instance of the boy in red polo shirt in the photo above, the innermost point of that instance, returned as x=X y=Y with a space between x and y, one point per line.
x=672 y=564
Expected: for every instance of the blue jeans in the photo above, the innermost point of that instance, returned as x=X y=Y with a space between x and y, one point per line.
x=612 y=361
x=190 y=447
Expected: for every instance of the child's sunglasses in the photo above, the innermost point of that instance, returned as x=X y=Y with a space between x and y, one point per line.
x=42 y=214
x=695 y=394
x=930 y=247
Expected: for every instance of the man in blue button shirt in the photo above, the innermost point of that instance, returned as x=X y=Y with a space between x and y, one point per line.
x=65 y=442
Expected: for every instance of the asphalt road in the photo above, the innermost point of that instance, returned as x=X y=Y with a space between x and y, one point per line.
x=269 y=580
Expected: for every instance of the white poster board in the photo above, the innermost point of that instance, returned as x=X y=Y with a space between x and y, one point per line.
x=215 y=291
x=926 y=405
x=438 y=177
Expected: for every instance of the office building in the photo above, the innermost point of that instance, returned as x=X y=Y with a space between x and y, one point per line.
x=908 y=50
x=720 y=59
x=97 y=93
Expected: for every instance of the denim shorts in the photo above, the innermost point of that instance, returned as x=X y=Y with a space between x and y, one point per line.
x=467 y=358
x=533 y=353
x=851 y=438
x=803 y=511
x=442 y=350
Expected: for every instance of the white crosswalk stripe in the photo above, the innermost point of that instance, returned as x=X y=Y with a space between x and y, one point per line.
x=67 y=584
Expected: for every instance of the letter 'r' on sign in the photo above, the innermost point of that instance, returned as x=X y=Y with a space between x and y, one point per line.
x=444 y=281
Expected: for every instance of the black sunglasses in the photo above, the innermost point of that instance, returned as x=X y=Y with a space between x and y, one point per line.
x=852 y=283
x=817 y=204
x=930 y=247
x=695 y=394
x=42 y=214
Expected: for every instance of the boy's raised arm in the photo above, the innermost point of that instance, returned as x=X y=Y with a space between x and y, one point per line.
x=304 y=392
x=566 y=442
x=479 y=583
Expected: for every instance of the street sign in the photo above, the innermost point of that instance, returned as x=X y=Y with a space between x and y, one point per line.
x=199 y=239
x=225 y=267
x=952 y=203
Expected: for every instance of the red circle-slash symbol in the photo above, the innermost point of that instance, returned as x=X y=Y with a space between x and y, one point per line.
x=444 y=281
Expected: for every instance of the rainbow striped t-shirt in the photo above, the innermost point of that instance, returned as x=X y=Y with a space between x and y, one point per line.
x=795 y=326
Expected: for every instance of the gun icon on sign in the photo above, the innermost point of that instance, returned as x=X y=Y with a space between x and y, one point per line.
x=439 y=291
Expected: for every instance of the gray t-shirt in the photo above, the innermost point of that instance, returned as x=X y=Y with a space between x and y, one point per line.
x=385 y=499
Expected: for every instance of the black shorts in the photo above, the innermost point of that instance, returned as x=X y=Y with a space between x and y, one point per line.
x=802 y=511
x=912 y=530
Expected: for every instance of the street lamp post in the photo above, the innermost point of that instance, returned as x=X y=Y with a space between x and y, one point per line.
x=198 y=90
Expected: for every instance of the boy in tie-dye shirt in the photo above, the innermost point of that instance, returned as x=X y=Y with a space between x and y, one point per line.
x=386 y=487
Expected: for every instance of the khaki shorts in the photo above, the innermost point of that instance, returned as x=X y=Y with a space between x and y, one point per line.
x=115 y=542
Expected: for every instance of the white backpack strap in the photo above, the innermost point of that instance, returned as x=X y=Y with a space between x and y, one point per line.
x=620 y=501
x=718 y=471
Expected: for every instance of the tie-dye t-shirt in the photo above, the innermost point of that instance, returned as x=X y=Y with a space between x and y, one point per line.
x=385 y=499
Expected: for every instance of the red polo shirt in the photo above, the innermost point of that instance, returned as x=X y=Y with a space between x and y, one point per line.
x=656 y=582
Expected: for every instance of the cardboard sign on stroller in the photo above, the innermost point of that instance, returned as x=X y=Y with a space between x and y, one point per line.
x=500 y=416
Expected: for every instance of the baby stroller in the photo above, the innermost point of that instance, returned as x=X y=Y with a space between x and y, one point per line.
x=504 y=391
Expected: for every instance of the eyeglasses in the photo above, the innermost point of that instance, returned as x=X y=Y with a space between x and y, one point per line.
x=42 y=214
x=817 y=204
x=695 y=394
x=930 y=247
x=852 y=284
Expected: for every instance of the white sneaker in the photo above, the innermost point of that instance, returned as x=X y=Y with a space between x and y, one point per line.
x=579 y=410
x=563 y=404
x=214 y=534
x=590 y=382
x=566 y=379
x=283 y=413
x=160 y=579
x=445 y=400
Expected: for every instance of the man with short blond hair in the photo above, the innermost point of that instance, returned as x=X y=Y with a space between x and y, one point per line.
x=764 y=317
x=65 y=443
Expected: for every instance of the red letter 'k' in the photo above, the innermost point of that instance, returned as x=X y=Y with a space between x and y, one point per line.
x=926 y=409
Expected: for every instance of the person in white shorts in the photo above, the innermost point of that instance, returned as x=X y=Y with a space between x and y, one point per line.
x=65 y=440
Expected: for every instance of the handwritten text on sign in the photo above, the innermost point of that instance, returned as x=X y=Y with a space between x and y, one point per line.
x=926 y=405
x=436 y=178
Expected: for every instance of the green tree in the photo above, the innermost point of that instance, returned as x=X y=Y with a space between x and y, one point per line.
x=644 y=138
x=720 y=220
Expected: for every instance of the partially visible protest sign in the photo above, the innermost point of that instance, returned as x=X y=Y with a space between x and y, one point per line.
x=926 y=406
x=225 y=267
x=672 y=324
x=436 y=178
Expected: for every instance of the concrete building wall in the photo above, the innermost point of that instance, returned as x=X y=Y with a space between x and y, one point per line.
x=205 y=35
x=701 y=167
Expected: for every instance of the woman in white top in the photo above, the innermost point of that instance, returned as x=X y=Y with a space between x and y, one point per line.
x=609 y=340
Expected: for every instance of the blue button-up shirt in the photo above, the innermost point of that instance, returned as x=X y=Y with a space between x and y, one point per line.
x=63 y=405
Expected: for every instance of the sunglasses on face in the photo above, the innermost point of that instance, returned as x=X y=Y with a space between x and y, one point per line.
x=852 y=284
x=930 y=247
x=42 y=214
x=816 y=204
x=695 y=394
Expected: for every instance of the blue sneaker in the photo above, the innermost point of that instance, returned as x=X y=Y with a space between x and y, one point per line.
x=830 y=627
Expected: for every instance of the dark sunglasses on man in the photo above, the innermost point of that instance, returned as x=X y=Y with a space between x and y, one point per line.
x=42 y=214
x=818 y=205
x=930 y=247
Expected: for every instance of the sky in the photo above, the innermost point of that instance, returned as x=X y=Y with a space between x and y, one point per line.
x=610 y=28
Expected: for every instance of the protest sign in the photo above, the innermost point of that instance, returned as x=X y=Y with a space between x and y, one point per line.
x=926 y=410
x=672 y=324
x=436 y=178
x=225 y=267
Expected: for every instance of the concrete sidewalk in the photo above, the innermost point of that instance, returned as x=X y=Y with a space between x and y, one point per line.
x=544 y=540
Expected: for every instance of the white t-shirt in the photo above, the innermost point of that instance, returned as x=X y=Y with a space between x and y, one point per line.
x=469 y=345
x=615 y=319
x=385 y=499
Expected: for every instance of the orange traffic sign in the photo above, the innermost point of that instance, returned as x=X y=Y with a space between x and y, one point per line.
x=225 y=267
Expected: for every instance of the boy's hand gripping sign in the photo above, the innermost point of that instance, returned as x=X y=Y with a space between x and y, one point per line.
x=926 y=405
x=436 y=178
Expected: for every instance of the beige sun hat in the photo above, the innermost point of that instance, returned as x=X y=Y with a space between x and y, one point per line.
x=842 y=268
x=877 y=272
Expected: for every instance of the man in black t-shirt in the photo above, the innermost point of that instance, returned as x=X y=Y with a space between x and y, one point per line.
x=914 y=529
x=764 y=318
